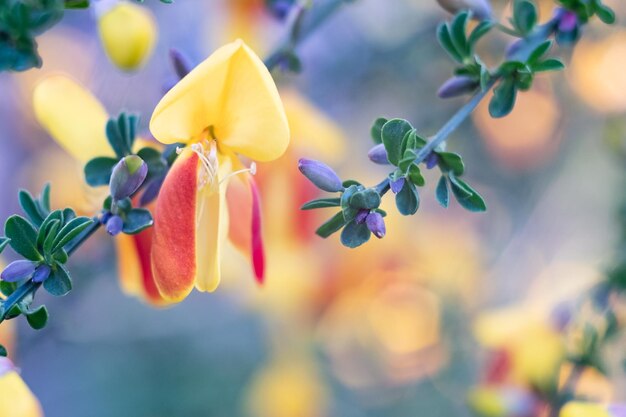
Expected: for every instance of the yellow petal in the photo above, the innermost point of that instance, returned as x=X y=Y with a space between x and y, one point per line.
x=581 y=409
x=72 y=116
x=128 y=33
x=212 y=229
x=17 y=400
x=232 y=91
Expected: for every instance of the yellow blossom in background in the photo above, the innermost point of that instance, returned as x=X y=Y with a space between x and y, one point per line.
x=128 y=33
x=287 y=387
x=534 y=348
x=16 y=399
x=597 y=72
x=582 y=409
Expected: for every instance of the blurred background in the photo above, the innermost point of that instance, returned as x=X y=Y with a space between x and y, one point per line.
x=415 y=324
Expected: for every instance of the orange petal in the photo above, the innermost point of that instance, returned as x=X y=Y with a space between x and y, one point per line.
x=245 y=222
x=174 y=243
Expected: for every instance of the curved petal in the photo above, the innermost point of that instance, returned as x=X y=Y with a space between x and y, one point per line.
x=72 y=116
x=232 y=91
x=174 y=241
x=253 y=121
x=193 y=104
x=244 y=208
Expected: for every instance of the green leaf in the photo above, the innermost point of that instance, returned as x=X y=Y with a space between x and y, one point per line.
x=415 y=175
x=98 y=171
x=70 y=231
x=28 y=204
x=524 y=16
x=7 y=288
x=503 y=99
x=479 y=31
x=539 y=52
x=458 y=32
x=459 y=189
x=407 y=200
x=452 y=162
x=76 y=4
x=377 y=129
x=60 y=256
x=443 y=192
x=605 y=13
x=51 y=235
x=137 y=220
x=354 y=235
x=445 y=39
x=59 y=282
x=331 y=226
x=116 y=139
x=44 y=199
x=3 y=243
x=365 y=199
x=37 y=319
x=551 y=64
x=23 y=237
x=43 y=230
x=3 y=351
x=321 y=203
x=393 y=134
x=474 y=202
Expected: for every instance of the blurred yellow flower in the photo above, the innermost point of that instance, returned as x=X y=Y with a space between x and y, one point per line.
x=597 y=72
x=534 y=348
x=287 y=387
x=17 y=399
x=225 y=108
x=128 y=33
x=582 y=409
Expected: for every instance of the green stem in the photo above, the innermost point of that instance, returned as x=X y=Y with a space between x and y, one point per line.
x=307 y=22
x=455 y=121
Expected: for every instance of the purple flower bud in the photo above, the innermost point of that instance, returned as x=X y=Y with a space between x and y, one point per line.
x=41 y=273
x=18 y=270
x=321 y=175
x=397 y=185
x=432 y=160
x=481 y=9
x=568 y=21
x=457 y=86
x=115 y=225
x=127 y=176
x=280 y=8
x=361 y=216
x=182 y=65
x=378 y=155
x=617 y=410
x=6 y=365
x=105 y=217
x=376 y=224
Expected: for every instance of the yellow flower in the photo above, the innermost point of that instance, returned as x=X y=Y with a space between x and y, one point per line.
x=287 y=387
x=128 y=33
x=227 y=107
x=534 y=348
x=581 y=409
x=17 y=400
